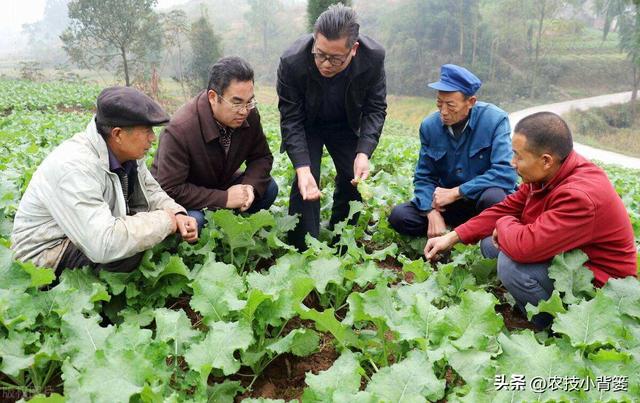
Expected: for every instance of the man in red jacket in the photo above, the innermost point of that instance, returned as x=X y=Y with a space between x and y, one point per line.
x=564 y=203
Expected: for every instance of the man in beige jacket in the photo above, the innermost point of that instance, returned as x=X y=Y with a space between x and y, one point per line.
x=92 y=202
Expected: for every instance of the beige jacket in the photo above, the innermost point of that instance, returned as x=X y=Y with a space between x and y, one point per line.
x=74 y=197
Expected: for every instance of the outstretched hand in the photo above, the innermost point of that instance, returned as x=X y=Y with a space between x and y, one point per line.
x=440 y=244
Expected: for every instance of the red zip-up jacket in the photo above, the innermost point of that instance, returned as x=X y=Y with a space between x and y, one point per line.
x=577 y=208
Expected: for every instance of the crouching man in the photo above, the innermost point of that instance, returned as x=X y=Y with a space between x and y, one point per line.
x=92 y=202
x=564 y=203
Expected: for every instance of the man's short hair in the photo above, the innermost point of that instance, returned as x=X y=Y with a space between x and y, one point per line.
x=104 y=130
x=337 y=22
x=226 y=70
x=546 y=132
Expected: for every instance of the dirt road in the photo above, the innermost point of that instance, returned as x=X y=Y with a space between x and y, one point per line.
x=561 y=108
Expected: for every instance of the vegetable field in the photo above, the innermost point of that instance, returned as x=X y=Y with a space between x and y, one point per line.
x=242 y=316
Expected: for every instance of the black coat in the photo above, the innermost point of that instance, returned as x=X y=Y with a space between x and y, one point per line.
x=299 y=92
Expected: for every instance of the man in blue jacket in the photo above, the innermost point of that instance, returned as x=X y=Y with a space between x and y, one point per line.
x=464 y=163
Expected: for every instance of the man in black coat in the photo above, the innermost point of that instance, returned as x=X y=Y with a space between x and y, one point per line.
x=332 y=91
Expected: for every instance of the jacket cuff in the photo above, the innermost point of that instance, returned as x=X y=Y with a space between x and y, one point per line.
x=299 y=159
x=366 y=146
x=464 y=234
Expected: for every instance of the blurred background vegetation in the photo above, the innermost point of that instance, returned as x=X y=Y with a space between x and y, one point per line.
x=527 y=52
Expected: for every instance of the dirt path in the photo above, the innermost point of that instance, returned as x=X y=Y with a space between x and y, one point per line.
x=561 y=108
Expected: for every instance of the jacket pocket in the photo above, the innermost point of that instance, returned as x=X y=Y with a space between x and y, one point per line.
x=480 y=158
x=436 y=154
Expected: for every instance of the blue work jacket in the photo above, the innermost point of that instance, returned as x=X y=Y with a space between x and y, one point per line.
x=476 y=160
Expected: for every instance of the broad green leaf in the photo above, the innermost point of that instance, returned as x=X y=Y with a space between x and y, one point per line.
x=552 y=306
x=470 y=364
x=224 y=392
x=625 y=293
x=365 y=273
x=262 y=400
x=428 y=289
x=391 y=250
x=13 y=355
x=175 y=327
x=111 y=377
x=410 y=380
x=217 y=349
x=12 y=276
x=83 y=337
x=422 y=320
x=216 y=291
x=571 y=277
x=78 y=291
x=485 y=270
x=169 y=264
x=117 y=282
x=39 y=275
x=454 y=280
x=300 y=342
x=593 y=322
x=324 y=271
x=474 y=320
x=254 y=299
x=342 y=378
x=418 y=268
x=326 y=321
x=523 y=355
x=610 y=367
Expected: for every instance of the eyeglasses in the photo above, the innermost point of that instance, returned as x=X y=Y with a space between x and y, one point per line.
x=335 y=61
x=239 y=107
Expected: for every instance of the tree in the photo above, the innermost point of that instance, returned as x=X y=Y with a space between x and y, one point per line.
x=205 y=46
x=44 y=35
x=627 y=15
x=100 y=31
x=316 y=7
x=262 y=19
x=176 y=28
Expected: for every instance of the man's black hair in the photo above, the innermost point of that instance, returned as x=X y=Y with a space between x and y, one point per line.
x=226 y=70
x=337 y=22
x=104 y=130
x=546 y=132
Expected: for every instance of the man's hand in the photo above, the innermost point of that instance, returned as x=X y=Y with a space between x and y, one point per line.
x=307 y=184
x=237 y=196
x=440 y=244
x=251 y=196
x=494 y=238
x=436 y=225
x=443 y=197
x=187 y=227
x=360 y=168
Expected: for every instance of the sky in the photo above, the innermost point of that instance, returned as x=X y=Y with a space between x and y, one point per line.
x=14 y=13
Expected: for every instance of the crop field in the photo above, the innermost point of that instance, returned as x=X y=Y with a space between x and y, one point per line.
x=242 y=316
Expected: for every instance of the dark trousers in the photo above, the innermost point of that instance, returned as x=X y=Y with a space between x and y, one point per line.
x=341 y=146
x=262 y=203
x=74 y=258
x=528 y=283
x=408 y=220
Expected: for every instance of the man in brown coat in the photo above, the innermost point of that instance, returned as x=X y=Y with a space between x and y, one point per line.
x=201 y=150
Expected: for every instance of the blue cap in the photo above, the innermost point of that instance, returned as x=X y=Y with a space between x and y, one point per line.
x=456 y=78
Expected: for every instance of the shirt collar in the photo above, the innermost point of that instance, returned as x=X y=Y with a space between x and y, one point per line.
x=466 y=124
x=115 y=165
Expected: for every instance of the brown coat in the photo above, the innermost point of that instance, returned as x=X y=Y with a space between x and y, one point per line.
x=190 y=164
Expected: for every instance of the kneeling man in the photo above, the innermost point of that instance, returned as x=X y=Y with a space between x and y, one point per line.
x=209 y=138
x=564 y=203
x=92 y=202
